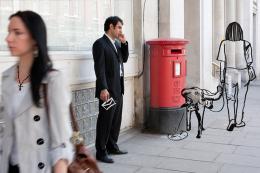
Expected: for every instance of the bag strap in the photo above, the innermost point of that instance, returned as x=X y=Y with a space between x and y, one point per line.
x=75 y=126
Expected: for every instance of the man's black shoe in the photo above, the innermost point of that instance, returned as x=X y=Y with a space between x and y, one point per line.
x=105 y=159
x=117 y=152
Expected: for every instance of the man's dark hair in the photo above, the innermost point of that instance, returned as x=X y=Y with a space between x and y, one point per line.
x=112 y=20
x=41 y=64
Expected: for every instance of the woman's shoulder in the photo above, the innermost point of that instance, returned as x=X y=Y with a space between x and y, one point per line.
x=53 y=75
x=9 y=70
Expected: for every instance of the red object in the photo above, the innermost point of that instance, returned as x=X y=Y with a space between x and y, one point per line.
x=167 y=72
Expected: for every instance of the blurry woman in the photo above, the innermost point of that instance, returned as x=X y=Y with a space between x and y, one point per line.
x=35 y=139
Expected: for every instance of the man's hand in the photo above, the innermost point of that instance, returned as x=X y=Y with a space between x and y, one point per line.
x=122 y=38
x=104 y=95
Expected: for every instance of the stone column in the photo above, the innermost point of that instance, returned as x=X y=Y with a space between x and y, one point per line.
x=177 y=18
x=230 y=17
x=239 y=49
x=218 y=26
x=192 y=33
x=143 y=32
x=257 y=46
x=164 y=18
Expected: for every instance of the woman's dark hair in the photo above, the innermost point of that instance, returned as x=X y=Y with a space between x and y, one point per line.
x=112 y=20
x=234 y=32
x=42 y=63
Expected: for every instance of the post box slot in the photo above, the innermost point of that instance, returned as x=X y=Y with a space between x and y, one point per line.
x=176 y=51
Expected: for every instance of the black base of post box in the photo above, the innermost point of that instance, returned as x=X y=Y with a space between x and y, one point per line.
x=166 y=120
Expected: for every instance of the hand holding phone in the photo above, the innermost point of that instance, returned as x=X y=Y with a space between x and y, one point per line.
x=122 y=38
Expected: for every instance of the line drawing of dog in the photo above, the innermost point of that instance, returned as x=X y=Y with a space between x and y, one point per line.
x=195 y=98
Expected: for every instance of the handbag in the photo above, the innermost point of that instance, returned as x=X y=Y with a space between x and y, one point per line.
x=83 y=161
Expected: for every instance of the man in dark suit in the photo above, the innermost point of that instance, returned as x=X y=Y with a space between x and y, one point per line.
x=109 y=52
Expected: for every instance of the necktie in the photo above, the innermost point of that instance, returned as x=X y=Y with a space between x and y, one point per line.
x=115 y=45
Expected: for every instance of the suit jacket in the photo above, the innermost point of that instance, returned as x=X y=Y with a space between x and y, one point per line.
x=107 y=66
x=37 y=136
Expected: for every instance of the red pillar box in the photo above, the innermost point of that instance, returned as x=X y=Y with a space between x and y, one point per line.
x=167 y=79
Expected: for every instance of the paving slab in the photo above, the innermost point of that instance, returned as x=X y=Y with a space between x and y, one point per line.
x=216 y=139
x=189 y=165
x=116 y=167
x=156 y=170
x=190 y=154
x=227 y=168
x=147 y=150
x=250 y=151
x=245 y=142
x=238 y=159
x=220 y=148
x=138 y=160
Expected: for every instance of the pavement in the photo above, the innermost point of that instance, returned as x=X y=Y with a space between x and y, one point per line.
x=217 y=151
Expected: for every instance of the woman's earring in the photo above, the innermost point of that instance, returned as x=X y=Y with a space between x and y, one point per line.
x=35 y=53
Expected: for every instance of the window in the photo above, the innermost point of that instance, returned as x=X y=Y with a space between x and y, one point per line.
x=6 y=8
x=72 y=25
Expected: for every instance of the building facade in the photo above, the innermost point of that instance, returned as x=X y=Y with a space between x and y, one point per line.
x=73 y=26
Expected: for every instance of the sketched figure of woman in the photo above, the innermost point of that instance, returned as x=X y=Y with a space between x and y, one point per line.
x=232 y=70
